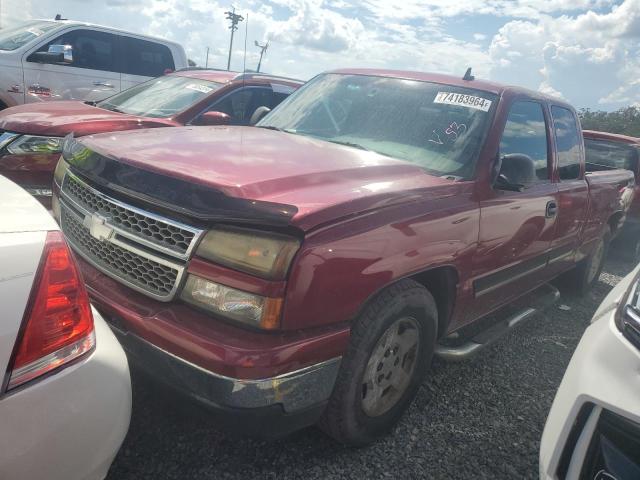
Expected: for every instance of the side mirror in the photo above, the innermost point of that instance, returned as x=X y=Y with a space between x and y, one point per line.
x=55 y=54
x=259 y=114
x=514 y=172
x=214 y=118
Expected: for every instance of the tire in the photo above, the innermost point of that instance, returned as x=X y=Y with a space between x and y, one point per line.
x=586 y=274
x=381 y=373
x=2 y=106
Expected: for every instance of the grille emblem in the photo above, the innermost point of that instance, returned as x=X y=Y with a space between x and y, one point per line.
x=98 y=227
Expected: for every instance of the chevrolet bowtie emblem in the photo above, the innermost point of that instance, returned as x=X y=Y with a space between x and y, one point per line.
x=98 y=227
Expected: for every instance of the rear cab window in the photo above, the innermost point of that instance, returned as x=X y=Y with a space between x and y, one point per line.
x=568 y=143
x=607 y=154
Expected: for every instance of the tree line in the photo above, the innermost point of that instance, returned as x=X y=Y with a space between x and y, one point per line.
x=625 y=121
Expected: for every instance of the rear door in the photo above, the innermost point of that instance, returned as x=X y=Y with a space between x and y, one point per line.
x=92 y=75
x=515 y=229
x=573 y=192
x=142 y=60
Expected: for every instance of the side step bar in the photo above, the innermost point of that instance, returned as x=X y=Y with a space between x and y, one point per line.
x=543 y=297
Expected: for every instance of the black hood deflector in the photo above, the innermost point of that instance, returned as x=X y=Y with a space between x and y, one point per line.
x=198 y=202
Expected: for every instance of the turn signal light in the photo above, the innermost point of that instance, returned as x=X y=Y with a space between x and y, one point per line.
x=58 y=325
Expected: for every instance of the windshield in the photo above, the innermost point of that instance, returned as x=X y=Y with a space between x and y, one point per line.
x=161 y=97
x=15 y=38
x=438 y=127
x=611 y=154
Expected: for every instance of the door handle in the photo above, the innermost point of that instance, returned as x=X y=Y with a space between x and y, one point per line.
x=102 y=84
x=552 y=209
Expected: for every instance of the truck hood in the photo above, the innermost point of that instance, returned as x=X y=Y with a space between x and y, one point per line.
x=322 y=181
x=58 y=119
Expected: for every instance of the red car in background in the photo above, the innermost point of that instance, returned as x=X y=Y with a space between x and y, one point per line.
x=31 y=135
x=609 y=150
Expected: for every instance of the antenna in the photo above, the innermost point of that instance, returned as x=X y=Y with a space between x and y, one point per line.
x=246 y=34
x=467 y=76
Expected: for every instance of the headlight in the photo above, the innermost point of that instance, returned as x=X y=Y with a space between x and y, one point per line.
x=31 y=144
x=60 y=171
x=262 y=254
x=254 y=310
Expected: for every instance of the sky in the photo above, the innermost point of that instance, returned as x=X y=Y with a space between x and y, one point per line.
x=585 y=51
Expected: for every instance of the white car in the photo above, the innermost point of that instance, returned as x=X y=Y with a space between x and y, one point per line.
x=593 y=429
x=62 y=60
x=65 y=400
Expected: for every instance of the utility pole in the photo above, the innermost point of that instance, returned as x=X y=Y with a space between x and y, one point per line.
x=206 y=61
x=263 y=50
x=235 y=19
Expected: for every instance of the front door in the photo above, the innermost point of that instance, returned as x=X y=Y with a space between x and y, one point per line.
x=92 y=74
x=516 y=227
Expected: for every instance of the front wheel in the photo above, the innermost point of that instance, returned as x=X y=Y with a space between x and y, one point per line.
x=390 y=351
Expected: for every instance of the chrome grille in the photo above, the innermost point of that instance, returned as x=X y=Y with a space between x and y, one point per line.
x=156 y=231
x=143 y=272
x=140 y=249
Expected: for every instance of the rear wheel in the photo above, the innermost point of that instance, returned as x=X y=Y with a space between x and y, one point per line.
x=586 y=274
x=390 y=351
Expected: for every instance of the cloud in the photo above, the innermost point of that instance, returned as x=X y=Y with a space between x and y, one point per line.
x=317 y=28
x=583 y=50
x=587 y=59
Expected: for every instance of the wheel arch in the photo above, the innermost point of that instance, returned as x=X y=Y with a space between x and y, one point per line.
x=615 y=222
x=441 y=282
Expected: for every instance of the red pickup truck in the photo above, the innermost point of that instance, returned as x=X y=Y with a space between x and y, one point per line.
x=31 y=135
x=606 y=151
x=305 y=270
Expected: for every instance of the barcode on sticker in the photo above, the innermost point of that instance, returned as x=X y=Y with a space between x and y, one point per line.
x=462 y=100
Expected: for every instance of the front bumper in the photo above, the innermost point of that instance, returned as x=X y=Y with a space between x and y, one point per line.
x=71 y=423
x=284 y=378
x=269 y=407
x=601 y=387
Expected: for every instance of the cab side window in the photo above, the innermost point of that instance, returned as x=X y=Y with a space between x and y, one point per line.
x=568 y=143
x=91 y=49
x=144 y=58
x=241 y=104
x=525 y=138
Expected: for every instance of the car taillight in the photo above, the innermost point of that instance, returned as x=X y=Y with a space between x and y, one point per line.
x=58 y=325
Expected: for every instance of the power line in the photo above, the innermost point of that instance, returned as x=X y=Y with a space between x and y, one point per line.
x=235 y=19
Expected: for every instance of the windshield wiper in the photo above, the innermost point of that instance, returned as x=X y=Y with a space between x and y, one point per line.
x=110 y=107
x=350 y=144
x=271 y=127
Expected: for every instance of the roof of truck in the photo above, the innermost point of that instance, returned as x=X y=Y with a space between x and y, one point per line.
x=458 y=81
x=224 y=76
x=75 y=23
x=615 y=137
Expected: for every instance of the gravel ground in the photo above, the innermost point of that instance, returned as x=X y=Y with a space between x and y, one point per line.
x=479 y=419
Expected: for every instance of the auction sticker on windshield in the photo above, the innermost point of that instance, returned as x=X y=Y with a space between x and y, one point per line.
x=462 y=100
x=198 y=88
